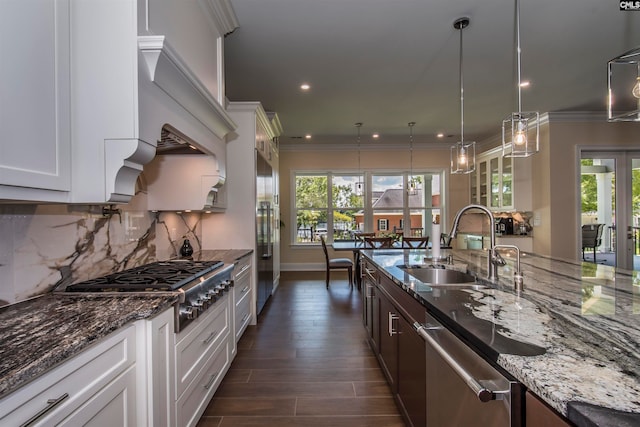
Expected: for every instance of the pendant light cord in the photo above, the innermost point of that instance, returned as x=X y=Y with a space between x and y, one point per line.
x=461 y=92
x=518 y=53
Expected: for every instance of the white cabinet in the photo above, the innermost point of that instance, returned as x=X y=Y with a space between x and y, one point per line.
x=86 y=86
x=236 y=229
x=501 y=183
x=242 y=273
x=34 y=98
x=203 y=356
x=157 y=348
x=68 y=86
x=96 y=387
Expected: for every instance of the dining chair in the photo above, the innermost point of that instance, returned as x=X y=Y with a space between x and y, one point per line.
x=360 y=236
x=378 y=242
x=415 y=242
x=336 y=263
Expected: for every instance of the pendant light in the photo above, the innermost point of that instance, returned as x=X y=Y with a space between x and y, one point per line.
x=359 y=182
x=413 y=186
x=623 y=85
x=521 y=130
x=463 y=154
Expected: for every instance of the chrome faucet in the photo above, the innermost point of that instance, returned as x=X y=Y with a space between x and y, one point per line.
x=518 y=279
x=493 y=259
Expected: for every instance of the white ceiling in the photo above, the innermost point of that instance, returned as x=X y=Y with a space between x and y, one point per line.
x=388 y=62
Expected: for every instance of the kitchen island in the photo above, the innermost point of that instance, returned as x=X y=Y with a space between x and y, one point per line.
x=572 y=337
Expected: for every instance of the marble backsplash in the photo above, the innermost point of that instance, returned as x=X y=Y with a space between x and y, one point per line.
x=43 y=246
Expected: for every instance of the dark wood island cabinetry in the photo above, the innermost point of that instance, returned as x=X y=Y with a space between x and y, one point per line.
x=389 y=314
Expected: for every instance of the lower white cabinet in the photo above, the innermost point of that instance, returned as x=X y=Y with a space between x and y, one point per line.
x=96 y=387
x=203 y=357
x=242 y=273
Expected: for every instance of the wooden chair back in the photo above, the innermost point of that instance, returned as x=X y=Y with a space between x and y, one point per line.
x=378 y=242
x=415 y=242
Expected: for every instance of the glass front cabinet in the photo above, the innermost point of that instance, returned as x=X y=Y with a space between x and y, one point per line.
x=495 y=179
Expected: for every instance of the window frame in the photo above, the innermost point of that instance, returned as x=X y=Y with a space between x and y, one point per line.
x=367 y=208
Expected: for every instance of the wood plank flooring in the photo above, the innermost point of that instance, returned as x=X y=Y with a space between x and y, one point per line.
x=306 y=363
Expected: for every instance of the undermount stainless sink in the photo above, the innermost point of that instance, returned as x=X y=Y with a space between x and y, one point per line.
x=440 y=276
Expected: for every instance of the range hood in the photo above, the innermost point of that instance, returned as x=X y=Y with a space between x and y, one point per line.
x=189 y=126
x=184 y=182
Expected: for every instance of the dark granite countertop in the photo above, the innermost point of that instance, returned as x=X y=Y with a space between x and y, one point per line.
x=572 y=336
x=40 y=333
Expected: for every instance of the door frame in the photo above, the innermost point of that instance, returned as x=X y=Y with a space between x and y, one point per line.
x=622 y=156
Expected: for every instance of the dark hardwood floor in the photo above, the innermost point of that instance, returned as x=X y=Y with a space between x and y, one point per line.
x=306 y=363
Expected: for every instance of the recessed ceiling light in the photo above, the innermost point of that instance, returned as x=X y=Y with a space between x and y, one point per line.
x=305 y=86
x=307 y=136
x=440 y=135
x=525 y=83
x=375 y=136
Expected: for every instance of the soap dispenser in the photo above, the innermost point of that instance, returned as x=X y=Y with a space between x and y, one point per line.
x=186 y=250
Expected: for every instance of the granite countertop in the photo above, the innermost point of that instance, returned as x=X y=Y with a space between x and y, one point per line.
x=40 y=333
x=572 y=336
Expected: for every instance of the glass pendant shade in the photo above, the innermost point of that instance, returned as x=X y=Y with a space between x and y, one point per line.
x=463 y=153
x=521 y=130
x=521 y=134
x=463 y=157
x=623 y=86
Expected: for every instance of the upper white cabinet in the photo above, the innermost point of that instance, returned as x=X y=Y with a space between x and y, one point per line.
x=501 y=183
x=84 y=92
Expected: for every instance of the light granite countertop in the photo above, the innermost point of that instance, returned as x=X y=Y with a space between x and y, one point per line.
x=572 y=336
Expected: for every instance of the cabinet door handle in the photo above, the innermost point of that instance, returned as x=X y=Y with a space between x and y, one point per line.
x=392 y=317
x=210 y=338
x=244 y=318
x=51 y=403
x=211 y=380
x=245 y=289
x=244 y=268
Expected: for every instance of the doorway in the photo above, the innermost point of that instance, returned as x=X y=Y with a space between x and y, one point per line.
x=610 y=195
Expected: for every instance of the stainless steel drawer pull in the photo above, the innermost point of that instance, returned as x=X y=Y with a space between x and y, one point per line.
x=483 y=393
x=51 y=403
x=244 y=318
x=392 y=317
x=245 y=289
x=210 y=338
x=211 y=380
x=244 y=268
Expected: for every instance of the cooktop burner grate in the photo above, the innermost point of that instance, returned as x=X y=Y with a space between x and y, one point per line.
x=157 y=276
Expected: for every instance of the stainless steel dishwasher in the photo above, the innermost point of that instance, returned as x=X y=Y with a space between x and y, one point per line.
x=463 y=389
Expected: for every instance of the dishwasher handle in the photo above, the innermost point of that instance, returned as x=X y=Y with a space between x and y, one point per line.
x=484 y=394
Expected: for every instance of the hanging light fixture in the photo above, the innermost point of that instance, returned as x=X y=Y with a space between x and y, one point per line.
x=623 y=86
x=359 y=183
x=521 y=130
x=463 y=154
x=413 y=186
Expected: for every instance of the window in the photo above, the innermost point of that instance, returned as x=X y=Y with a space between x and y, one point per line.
x=330 y=204
x=316 y=217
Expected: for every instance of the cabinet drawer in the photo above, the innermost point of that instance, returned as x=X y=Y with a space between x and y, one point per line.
x=242 y=315
x=193 y=402
x=241 y=288
x=68 y=386
x=193 y=350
